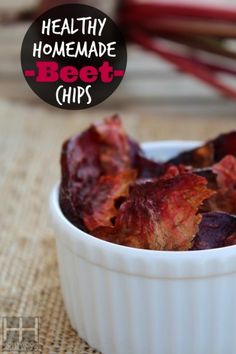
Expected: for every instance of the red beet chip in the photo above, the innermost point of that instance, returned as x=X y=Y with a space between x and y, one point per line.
x=226 y=173
x=103 y=149
x=173 y=171
x=225 y=186
x=160 y=215
x=105 y=198
x=113 y=148
x=216 y=230
x=210 y=153
x=80 y=168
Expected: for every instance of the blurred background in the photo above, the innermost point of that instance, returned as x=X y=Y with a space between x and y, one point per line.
x=151 y=84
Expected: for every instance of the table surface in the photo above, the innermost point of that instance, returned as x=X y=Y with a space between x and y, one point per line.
x=30 y=141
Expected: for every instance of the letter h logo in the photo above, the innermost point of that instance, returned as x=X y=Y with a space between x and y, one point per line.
x=19 y=333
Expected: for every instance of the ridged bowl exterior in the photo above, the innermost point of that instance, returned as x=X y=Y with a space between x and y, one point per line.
x=130 y=301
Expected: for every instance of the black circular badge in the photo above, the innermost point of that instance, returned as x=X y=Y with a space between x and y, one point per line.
x=73 y=56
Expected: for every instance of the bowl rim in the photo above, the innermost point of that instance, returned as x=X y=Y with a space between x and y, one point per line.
x=78 y=234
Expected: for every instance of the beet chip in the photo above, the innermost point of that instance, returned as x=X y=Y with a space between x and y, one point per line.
x=225 y=197
x=159 y=215
x=105 y=198
x=173 y=171
x=110 y=189
x=215 y=230
x=210 y=153
x=114 y=147
x=103 y=149
x=231 y=240
x=148 y=168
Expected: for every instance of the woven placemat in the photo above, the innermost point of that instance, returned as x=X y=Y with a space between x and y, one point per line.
x=30 y=140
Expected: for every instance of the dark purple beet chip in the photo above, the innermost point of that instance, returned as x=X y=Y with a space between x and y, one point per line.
x=148 y=168
x=214 y=230
x=210 y=153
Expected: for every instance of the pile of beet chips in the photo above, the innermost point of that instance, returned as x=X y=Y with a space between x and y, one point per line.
x=112 y=191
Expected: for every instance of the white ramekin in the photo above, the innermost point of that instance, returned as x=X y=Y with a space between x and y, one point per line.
x=123 y=300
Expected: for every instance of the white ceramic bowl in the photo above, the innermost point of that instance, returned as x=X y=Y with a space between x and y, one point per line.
x=124 y=300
